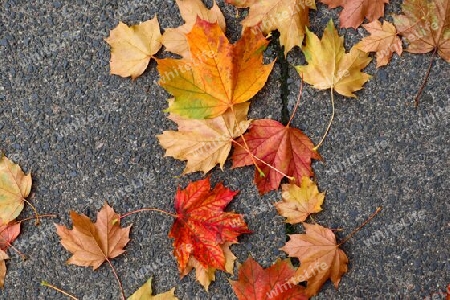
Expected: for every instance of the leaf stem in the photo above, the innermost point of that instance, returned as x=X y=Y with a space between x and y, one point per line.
x=38 y=216
x=331 y=121
x=425 y=81
x=147 y=209
x=118 y=279
x=44 y=283
x=35 y=211
x=296 y=104
x=360 y=226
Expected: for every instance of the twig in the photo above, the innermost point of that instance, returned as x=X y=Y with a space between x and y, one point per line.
x=425 y=81
x=44 y=283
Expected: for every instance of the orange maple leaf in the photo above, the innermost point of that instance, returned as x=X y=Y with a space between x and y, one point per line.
x=218 y=76
x=202 y=228
x=284 y=148
x=94 y=243
x=426 y=26
x=383 y=40
x=256 y=283
x=355 y=10
x=319 y=255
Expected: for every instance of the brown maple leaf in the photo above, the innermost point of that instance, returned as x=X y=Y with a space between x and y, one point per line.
x=219 y=74
x=133 y=47
x=94 y=243
x=8 y=234
x=300 y=201
x=205 y=143
x=319 y=255
x=175 y=40
x=286 y=149
x=383 y=40
x=202 y=227
x=15 y=186
x=355 y=10
x=3 y=256
x=256 y=283
x=426 y=26
x=290 y=17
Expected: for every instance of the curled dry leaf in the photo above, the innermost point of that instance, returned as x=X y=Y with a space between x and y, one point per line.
x=3 y=256
x=426 y=26
x=175 y=40
x=15 y=186
x=300 y=201
x=319 y=255
x=205 y=143
x=202 y=229
x=94 y=243
x=133 y=47
x=383 y=40
x=290 y=17
x=330 y=67
x=286 y=149
x=218 y=76
x=256 y=283
x=355 y=10
x=145 y=293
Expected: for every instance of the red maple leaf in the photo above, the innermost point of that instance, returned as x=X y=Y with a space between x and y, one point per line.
x=256 y=283
x=285 y=148
x=202 y=227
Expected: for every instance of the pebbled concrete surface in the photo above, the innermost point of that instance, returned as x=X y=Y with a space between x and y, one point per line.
x=88 y=137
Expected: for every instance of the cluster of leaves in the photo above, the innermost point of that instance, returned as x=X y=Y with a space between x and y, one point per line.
x=211 y=85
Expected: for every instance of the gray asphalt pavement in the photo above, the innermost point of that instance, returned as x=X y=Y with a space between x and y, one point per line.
x=89 y=137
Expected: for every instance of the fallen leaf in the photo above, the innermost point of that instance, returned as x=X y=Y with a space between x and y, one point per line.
x=8 y=233
x=133 y=47
x=319 y=255
x=94 y=243
x=202 y=228
x=355 y=10
x=299 y=202
x=145 y=293
x=285 y=148
x=426 y=26
x=330 y=67
x=256 y=283
x=3 y=256
x=290 y=17
x=15 y=186
x=175 y=40
x=383 y=40
x=205 y=143
x=218 y=76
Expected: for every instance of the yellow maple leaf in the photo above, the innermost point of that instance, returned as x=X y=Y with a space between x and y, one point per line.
x=290 y=17
x=175 y=40
x=145 y=293
x=205 y=143
x=299 y=202
x=133 y=47
x=330 y=67
x=383 y=40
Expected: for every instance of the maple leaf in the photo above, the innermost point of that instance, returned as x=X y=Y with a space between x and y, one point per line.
x=218 y=76
x=174 y=39
x=205 y=143
x=299 y=202
x=290 y=17
x=426 y=26
x=383 y=40
x=287 y=149
x=145 y=293
x=3 y=256
x=133 y=47
x=330 y=67
x=94 y=243
x=8 y=233
x=355 y=10
x=319 y=255
x=202 y=227
x=256 y=283
x=15 y=186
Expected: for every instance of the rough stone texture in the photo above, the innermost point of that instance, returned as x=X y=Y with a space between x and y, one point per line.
x=89 y=137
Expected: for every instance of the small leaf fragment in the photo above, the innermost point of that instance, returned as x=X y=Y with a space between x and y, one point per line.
x=8 y=233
